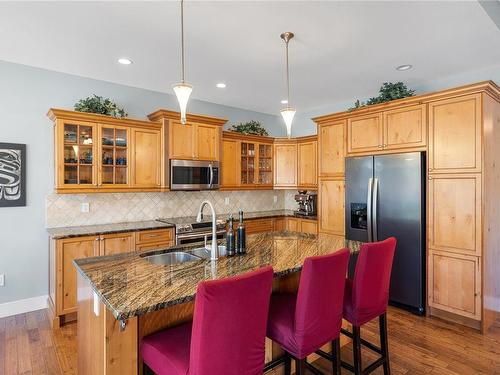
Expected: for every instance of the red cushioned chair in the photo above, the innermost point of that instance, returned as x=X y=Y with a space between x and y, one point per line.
x=227 y=335
x=366 y=298
x=302 y=323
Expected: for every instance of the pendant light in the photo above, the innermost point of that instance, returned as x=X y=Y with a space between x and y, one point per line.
x=288 y=112
x=182 y=89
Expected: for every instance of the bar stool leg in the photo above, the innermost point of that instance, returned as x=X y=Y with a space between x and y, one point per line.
x=300 y=366
x=356 y=349
x=336 y=357
x=288 y=364
x=383 y=343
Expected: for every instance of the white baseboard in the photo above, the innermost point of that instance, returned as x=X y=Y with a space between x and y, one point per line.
x=23 y=306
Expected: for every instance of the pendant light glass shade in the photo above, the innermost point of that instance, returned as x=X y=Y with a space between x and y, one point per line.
x=183 y=91
x=288 y=114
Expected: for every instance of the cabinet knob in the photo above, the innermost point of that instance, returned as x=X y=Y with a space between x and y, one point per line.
x=97 y=238
x=430 y=169
x=384 y=146
x=430 y=178
x=379 y=146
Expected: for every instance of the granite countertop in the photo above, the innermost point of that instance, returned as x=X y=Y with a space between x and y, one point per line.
x=131 y=286
x=92 y=230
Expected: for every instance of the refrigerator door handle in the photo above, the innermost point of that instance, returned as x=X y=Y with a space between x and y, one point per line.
x=374 y=210
x=369 y=209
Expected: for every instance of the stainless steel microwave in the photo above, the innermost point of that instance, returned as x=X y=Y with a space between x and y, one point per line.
x=194 y=175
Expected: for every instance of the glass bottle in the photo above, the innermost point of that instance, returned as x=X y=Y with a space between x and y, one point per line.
x=241 y=247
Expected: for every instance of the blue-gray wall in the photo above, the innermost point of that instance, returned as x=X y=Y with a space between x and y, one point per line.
x=26 y=93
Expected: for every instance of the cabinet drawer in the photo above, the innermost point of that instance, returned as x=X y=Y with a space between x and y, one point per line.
x=150 y=236
x=154 y=246
x=258 y=226
x=308 y=226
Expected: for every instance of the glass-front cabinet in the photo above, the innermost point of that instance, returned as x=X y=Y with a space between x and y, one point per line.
x=78 y=153
x=101 y=153
x=256 y=164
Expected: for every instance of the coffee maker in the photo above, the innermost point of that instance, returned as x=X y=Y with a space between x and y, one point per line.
x=307 y=203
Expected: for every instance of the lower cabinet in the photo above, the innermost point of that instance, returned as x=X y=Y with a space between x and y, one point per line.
x=292 y=224
x=455 y=283
x=331 y=206
x=259 y=226
x=62 y=273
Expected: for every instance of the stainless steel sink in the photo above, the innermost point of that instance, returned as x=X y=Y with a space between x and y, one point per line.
x=205 y=253
x=174 y=257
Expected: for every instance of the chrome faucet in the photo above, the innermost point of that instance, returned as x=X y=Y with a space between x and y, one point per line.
x=214 y=250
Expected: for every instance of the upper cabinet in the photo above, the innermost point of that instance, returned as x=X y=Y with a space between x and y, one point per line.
x=332 y=144
x=388 y=130
x=307 y=156
x=455 y=134
x=101 y=153
x=199 y=139
x=285 y=163
x=247 y=161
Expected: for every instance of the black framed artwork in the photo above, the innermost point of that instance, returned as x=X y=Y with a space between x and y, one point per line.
x=12 y=174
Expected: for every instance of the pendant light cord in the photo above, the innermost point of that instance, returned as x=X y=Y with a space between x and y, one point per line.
x=287 y=76
x=182 y=41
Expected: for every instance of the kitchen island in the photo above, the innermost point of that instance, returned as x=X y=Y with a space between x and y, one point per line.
x=124 y=297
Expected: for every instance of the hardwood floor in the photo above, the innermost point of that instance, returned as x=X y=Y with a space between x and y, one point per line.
x=417 y=346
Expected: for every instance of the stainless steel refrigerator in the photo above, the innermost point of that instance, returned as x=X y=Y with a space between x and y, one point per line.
x=385 y=196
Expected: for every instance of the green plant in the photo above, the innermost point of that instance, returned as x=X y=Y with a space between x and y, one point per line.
x=97 y=104
x=388 y=91
x=251 y=127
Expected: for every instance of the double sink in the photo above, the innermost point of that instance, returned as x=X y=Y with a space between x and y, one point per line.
x=176 y=257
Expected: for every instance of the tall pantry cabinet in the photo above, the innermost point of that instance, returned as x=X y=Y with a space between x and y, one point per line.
x=459 y=129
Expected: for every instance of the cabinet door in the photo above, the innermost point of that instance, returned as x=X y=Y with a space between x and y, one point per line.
x=181 y=143
x=117 y=243
x=308 y=226
x=364 y=133
x=285 y=165
x=307 y=165
x=259 y=226
x=68 y=250
x=279 y=224
x=455 y=135
x=455 y=213
x=76 y=154
x=146 y=158
x=405 y=127
x=292 y=224
x=207 y=142
x=455 y=284
x=114 y=156
x=231 y=165
x=332 y=149
x=331 y=206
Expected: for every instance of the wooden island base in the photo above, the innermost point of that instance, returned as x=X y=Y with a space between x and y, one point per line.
x=105 y=349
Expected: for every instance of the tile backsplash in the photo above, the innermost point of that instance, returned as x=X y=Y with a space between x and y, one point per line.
x=63 y=210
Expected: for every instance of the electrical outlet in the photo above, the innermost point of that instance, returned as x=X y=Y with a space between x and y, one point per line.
x=85 y=207
x=226 y=201
x=2 y=280
x=275 y=199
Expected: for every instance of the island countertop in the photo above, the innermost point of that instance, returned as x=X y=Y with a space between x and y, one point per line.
x=131 y=286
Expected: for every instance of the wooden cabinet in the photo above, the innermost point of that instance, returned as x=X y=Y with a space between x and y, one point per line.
x=285 y=164
x=146 y=158
x=230 y=165
x=332 y=148
x=207 y=143
x=395 y=129
x=292 y=224
x=116 y=243
x=365 y=133
x=194 y=141
x=62 y=272
x=455 y=135
x=331 y=206
x=455 y=213
x=68 y=250
x=405 y=127
x=280 y=224
x=308 y=226
x=96 y=153
x=253 y=226
x=307 y=171
x=181 y=137
x=455 y=283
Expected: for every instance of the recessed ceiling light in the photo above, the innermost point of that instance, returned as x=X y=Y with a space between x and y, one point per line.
x=221 y=85
x=125 y=61
x=284 y=101
x=404 y=67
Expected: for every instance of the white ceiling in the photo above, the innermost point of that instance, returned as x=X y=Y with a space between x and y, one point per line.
x=342 y=50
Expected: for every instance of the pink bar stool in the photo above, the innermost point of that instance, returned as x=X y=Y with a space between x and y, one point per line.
x=366 y=298
x=226 y=336
x=302 y=323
